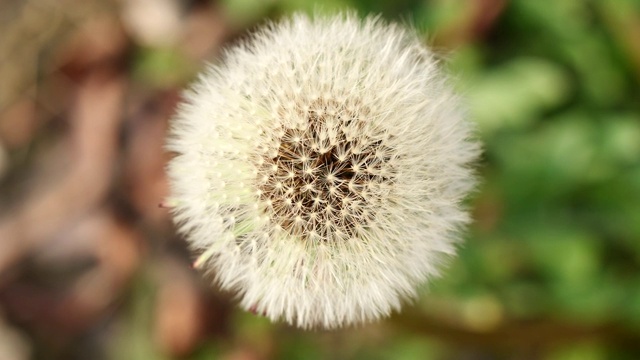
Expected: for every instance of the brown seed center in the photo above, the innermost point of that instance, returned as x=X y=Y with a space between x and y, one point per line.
x=323 y=184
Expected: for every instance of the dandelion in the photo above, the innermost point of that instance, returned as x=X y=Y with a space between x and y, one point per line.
x=320 y=168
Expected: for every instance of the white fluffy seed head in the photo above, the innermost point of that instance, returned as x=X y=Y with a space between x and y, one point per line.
x=320 y=168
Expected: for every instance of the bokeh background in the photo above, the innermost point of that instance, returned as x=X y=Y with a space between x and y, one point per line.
x=91 y=267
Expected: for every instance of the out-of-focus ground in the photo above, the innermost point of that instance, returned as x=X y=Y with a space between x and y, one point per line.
x=91 y=267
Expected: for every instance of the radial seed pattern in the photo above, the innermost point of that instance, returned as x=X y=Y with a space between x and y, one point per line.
x=319 y=170
x=327 y=174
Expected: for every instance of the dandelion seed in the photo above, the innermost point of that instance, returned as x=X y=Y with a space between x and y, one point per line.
x=320 y=169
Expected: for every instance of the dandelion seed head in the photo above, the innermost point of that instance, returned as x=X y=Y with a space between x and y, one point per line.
x=320 y=168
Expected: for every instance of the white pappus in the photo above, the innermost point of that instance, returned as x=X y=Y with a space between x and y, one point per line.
x=320 y=167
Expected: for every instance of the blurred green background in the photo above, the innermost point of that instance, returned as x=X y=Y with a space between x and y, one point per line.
x=91 y=268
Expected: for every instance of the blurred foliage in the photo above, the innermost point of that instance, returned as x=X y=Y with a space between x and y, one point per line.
x=553 y=87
